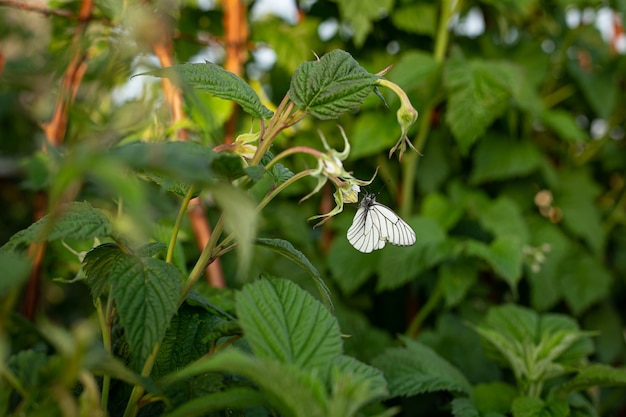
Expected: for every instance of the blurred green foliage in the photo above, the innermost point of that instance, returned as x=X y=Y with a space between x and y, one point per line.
x=509 y=303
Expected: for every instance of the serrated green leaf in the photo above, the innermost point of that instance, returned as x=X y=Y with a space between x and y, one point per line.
x=399 y=265
x=286 y=249
x=416 y=18
x=193 y=325
x=232 y=398
x=217 y=81
x=535 y=347
x=283 y=322
x=145 y=291
x=361 y=13
x=584 y=281
x=597 y=375
x=536 y=407
x=354 y=384
x=97 y=266
x=77 y=220
x=331 y=86
x=416 y=369
x=16 y=269
x=499 y=158
x=292 y=391
x=478 y=93
x=365 y=374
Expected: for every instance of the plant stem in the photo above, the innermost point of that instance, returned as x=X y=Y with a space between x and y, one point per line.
x=106 y=342
x=430 y=305
x=133 y=407
x=203 y=260
x=179 y=220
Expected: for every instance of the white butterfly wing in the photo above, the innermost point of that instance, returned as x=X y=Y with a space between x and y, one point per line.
x=363 y=234
x=374 y=224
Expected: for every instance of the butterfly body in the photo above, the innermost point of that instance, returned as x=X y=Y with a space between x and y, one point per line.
x=376 y=224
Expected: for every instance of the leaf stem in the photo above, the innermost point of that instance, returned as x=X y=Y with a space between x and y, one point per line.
x=177 y=223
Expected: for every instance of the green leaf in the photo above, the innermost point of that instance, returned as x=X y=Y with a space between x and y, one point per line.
x=399 y=265
x=599 y=86
x=16 y=269
x=283 y=322
x=354 y=385
x=416 y=18
x=331 y=86
x=168 y=163
x=504 y=255
x=145 y=291
x=503 y=218
x=594 y=376
x=76 y=220
x=479 y=92
x=499 y=158
x=494 y=397
x=584 y=281
x=456 y=279
x=370 y=135
x=292 y=43
x=564 y=125
x=217 y=81
x=97 y=266
x=231 y=399
x=575 y=194
x=363 y=374
x=463 y=407
x=416 y=369
x=286 y=249
x=445 y=212
x=545 y=284
x=150 y=249
x=535 y=347
x=536 y=407
x=194 y=326
x=293 y=392
x=103 y=363
x=240 y=219
x=350 y=268
x=361 y=13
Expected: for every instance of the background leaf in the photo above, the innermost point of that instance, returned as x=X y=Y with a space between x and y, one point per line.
x=217 y=81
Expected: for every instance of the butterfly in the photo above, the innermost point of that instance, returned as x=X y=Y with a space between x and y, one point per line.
x=375 y=224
